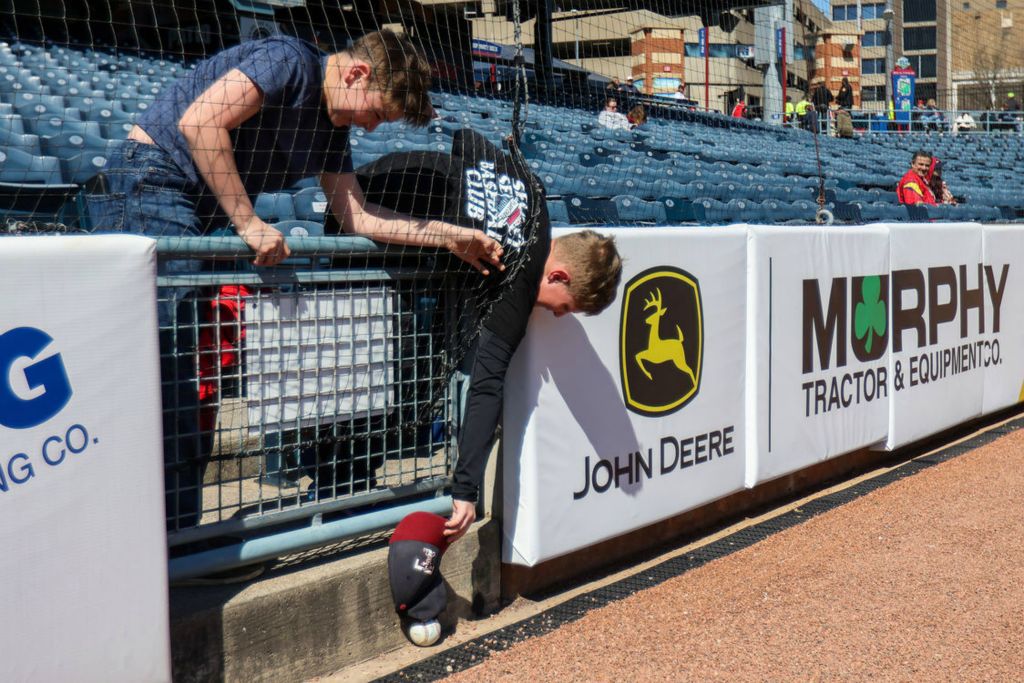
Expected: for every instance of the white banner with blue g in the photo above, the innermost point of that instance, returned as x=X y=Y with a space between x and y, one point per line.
x=83 y=548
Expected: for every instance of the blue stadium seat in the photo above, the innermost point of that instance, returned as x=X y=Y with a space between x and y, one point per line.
x=105 y=111
x=367 y=145
x=632 y=209
x=782 y=193
x=667 y=187
x=132 y=103
x=298 y=228
x=310 y=204
x=880 y=213
x=32 y=186
x=21 y=81
x=116 y=131
x=714 y=190
x=34 y=104
x=557 y=184
x=557 y=212
x=18 y=166
x=746 y=210
x=846 y=212
x=52 y=126
x=24 y=142
x=678 y=210
x=588 y=211
x=975 y=212
x=800 y=211
x=79 y=168
x=710 y=211
x=274 y=206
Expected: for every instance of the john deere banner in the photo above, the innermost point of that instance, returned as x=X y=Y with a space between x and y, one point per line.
x=1004 y=259
x=818 y=375
x=945 y=304
x=83 y=551
x=620 y=420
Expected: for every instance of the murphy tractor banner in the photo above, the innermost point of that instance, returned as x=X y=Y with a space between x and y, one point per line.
x=947 y=308
x=633 y=416
x=84 y=550
x=1004 y=253
x=819 y=382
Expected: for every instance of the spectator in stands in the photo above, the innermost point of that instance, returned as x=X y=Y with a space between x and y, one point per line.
x=845 y=96
x=821 y=97
x=1012 y=107
x=258 y=117
x=637 y=116
x=1003 y=120
x=739 y=110
x=629 y=88
x=611 y=117
x=913 y=187
x=965 y=122
x=844 y=122
x=931 y=116
x=806 y=116
x=680 y=93
x=612 y=87
x=940 y=191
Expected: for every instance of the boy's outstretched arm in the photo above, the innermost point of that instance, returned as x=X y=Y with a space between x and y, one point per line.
x=479 y=424
x=384 y=225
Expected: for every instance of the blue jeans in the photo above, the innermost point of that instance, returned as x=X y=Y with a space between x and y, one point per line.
x=143 y=192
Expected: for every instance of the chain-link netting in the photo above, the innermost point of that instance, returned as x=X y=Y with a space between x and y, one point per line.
x=655 y=112
x=453 y=134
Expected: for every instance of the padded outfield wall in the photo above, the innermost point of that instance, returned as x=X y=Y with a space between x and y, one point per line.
x=768 y=350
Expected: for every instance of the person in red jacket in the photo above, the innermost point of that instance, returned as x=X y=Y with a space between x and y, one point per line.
x=740 y=110
x=913 y=187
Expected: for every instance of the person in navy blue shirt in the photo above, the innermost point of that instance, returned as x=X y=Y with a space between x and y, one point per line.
x=262 y=115
x=254 y=118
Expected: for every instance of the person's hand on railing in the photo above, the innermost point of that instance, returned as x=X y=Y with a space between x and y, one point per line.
x=266 y=241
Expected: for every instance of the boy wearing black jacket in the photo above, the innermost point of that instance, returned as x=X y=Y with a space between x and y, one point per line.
x=580 y=272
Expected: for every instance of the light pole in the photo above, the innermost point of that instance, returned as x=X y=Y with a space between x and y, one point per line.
x=888 y=15
x=576 y=24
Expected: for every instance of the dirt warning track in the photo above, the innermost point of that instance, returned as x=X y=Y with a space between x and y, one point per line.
x=917 y=575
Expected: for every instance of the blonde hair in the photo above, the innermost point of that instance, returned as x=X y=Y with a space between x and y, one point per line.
x=595 y=269
x=401 y=73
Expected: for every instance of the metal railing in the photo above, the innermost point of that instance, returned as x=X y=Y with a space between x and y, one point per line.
x=933 y=120
x=303 y=404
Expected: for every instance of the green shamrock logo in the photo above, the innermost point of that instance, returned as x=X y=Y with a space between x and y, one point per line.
x=869 y=315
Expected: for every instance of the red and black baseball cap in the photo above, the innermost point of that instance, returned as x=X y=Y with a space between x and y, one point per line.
x=414 y=566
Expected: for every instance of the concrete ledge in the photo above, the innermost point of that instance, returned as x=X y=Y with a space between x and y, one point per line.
x=314 y=620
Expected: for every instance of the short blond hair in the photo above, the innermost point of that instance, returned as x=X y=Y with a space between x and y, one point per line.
x=401 y=72
x=595 y=269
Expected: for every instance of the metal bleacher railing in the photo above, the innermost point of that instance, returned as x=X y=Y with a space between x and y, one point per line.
x=304 y=404
x=961 y=121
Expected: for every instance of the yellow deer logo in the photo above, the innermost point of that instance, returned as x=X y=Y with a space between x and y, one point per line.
x=661 y=350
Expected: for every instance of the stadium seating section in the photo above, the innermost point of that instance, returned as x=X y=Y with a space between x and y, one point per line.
x=61 y=108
